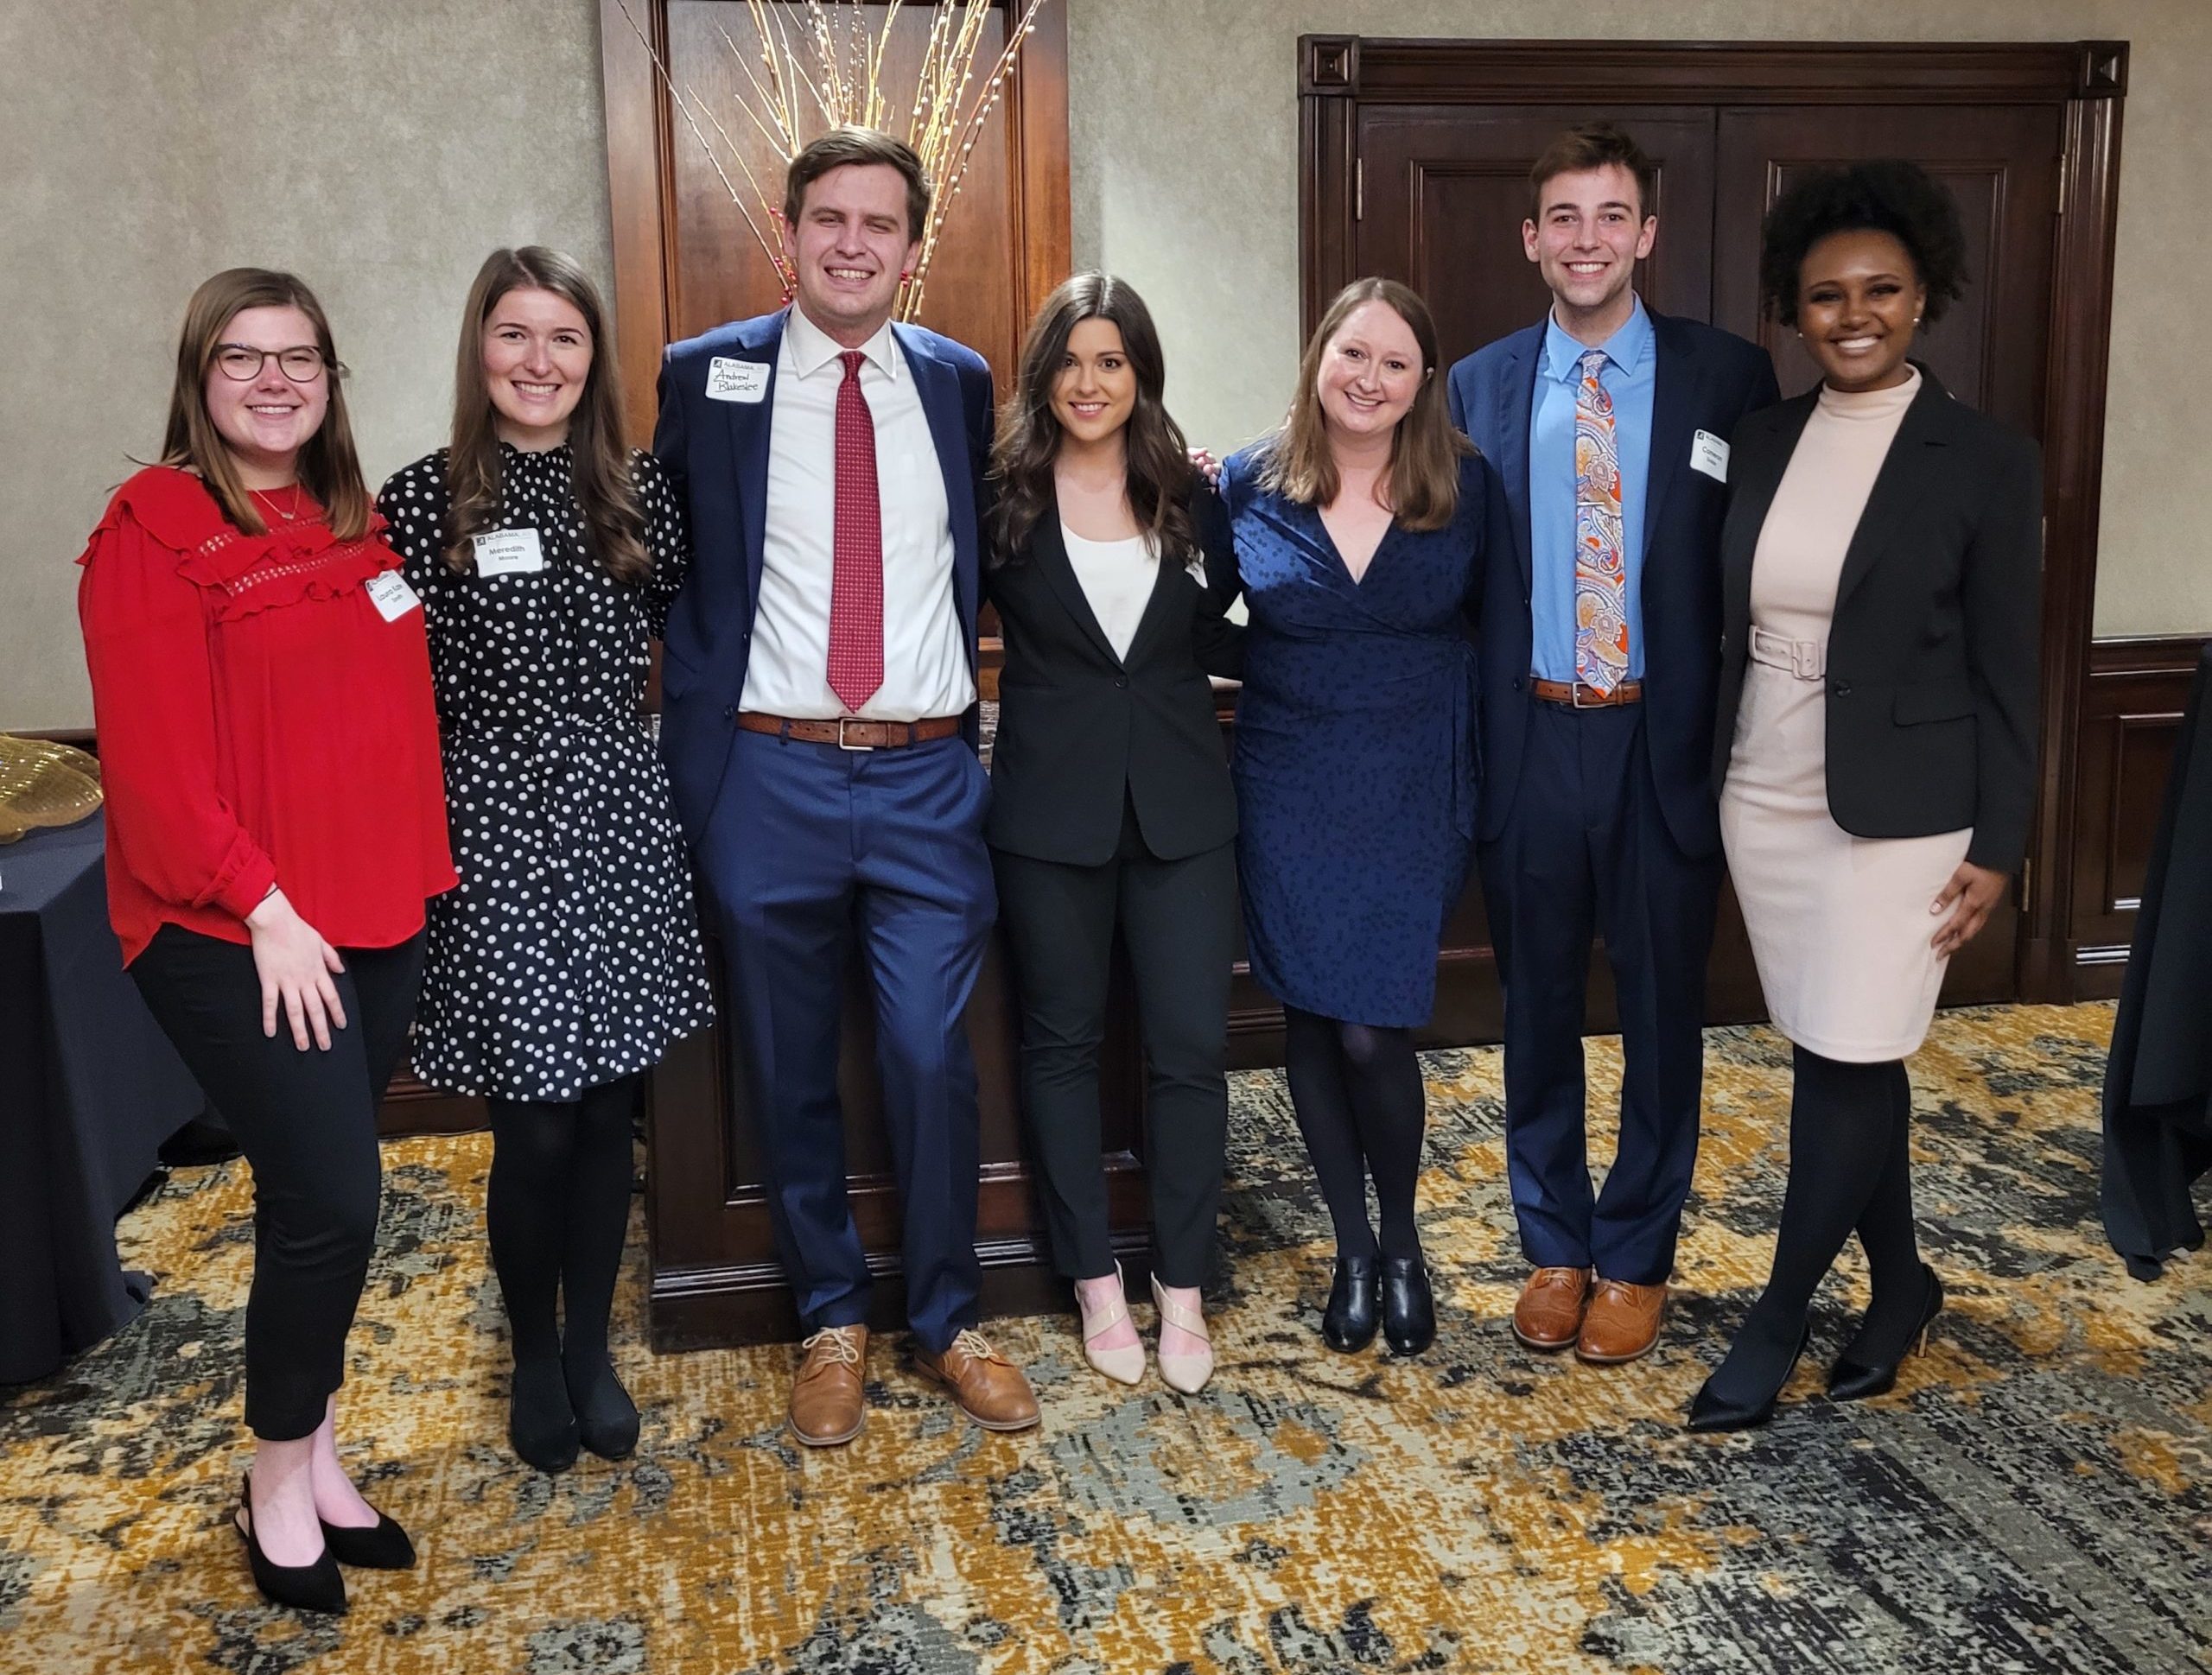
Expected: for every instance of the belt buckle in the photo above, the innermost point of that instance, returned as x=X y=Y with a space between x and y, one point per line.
x=1806 y=659
x=843 y=722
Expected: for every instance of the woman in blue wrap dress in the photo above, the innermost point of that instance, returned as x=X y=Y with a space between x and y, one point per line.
x=1360 y=526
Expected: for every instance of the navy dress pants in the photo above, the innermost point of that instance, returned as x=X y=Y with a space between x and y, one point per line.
x=1585 y=847
x=814 y=852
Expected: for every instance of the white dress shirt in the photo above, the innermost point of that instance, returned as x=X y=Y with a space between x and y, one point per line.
x=925 y=667
x=1117 y=579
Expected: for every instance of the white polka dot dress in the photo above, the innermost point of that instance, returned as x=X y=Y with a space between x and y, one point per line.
x=569 y=955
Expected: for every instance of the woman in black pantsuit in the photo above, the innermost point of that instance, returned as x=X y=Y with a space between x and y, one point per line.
x=1110 y=805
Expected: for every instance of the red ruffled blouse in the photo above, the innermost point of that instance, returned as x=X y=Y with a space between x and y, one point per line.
x=260 y=723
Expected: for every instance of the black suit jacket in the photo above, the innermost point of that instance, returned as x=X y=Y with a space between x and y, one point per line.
x=1706 y=380
x=1932 y=654
x=1077 y=723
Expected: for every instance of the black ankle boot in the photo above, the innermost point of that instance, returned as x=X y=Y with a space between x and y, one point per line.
x=1409 y=1307
x=314 y=1587
x=1354 y=1305
x=541 y=1425
x=1852 y=1380
x=606 y=1420
x=1711 y=1410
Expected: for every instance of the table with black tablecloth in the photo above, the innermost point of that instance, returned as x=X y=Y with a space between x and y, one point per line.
x=89 y=1089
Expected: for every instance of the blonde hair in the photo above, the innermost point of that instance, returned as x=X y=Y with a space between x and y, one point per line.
x=1425 y=450
x=330 y=467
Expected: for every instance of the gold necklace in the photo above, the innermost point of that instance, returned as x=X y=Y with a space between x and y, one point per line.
x=267 y=497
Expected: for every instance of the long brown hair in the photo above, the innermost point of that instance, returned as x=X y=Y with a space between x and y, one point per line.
x=1159 y=471
x=1425 y=450
x=330 y=467
x=606 y=494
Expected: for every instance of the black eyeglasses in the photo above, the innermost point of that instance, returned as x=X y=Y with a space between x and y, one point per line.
x=242 y=364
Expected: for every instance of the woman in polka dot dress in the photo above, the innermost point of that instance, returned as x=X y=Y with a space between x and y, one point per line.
x=545 y=553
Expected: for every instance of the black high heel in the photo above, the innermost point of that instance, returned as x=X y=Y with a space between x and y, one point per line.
x=606 y=1420
x=1713 y=1412
x=384 y=1547
x=1850 y=1381
x=1408 y=1306
x=1354 y=1305
x=316 y=1587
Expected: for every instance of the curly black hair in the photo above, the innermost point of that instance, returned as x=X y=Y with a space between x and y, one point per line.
x=1897 y=198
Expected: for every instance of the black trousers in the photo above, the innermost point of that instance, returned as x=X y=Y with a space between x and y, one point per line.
x=306 y=1122
x=1179 y=921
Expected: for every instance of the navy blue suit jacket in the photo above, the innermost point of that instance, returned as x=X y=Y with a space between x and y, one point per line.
x=1707 y=379
x=717 y=452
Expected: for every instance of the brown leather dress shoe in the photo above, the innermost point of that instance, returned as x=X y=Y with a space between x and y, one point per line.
x=1549 y=1313
x=1623 y=1321
x=827 y=1404
x=989 y=1388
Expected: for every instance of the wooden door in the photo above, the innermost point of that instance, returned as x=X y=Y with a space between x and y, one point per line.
x=2001 y=163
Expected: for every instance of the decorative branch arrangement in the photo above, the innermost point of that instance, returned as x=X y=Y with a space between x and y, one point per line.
x=818 y=64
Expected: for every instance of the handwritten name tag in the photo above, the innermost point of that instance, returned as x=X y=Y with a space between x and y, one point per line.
x=731 y=380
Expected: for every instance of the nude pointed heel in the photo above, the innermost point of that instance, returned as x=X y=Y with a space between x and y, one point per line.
x=1187 y=1373
x=1123 y=1366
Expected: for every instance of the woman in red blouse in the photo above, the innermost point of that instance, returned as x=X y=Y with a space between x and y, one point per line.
x=275 y=822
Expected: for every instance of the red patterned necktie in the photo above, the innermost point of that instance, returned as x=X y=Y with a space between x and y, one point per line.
x=856 y=577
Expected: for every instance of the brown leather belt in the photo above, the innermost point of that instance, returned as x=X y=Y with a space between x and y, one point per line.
x=1576 y=695
x=850 y=732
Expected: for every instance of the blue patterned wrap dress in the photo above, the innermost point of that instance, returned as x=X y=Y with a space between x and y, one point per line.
x=1355 y=756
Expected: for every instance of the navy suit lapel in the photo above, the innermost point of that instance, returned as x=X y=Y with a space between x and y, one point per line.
x=939 y=384
x=1516 y=411
x=750 y=425
x=1672 y=413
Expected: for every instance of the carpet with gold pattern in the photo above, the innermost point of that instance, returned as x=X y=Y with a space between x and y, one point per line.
x=2036 y=1494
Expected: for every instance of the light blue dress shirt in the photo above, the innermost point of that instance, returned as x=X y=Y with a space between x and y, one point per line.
x=1629 y=375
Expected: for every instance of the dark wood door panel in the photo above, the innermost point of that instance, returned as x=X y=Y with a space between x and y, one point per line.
x=1446 y=190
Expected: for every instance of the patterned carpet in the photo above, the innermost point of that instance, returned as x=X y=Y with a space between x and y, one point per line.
x=2033 y=1497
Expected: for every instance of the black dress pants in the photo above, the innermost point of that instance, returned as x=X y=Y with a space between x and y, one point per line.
x=1179 y=921
x=306 y=1122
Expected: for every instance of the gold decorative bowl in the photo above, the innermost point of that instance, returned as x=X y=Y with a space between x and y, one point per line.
x=44 y=784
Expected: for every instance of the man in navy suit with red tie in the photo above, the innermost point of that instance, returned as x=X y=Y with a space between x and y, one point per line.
x=818 y=691
x=1609 y=426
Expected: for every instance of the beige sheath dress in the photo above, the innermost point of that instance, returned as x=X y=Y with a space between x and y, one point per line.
x=1839 y=925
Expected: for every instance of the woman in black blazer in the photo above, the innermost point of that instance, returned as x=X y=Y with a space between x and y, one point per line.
x=1111 y=568
x=1876 y=751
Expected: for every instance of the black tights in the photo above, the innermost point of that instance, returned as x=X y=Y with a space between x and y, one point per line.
x=557 y=1208
x=1357 y=1091
x=1850 y=1171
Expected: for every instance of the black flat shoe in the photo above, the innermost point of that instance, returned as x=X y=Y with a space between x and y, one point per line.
x=1711 y=1412
x=383 y=1547
x=1348 y=1324
x=606 y=1420
x=316 y=1587
x=1409 y=1307
x=541 y=1425
x=1851 y=1381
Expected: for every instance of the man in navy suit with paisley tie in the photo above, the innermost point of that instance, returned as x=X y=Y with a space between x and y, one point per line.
x=1608 y=424
x=818 y=691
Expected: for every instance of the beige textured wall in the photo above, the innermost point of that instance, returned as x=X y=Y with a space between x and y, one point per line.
x=379 y=150
x=1184 y=119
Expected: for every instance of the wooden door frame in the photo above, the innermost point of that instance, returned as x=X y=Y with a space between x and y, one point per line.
x=2087 y=78
x=643 y=135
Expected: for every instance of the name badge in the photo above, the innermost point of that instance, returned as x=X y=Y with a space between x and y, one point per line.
x=1709 y=455
x=508 y=552
x=388 y=592
x=731 y=380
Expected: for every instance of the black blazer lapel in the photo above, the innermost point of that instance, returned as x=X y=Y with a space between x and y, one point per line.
x=1756 y=480
x=1049 y=553
x=1914 y=459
